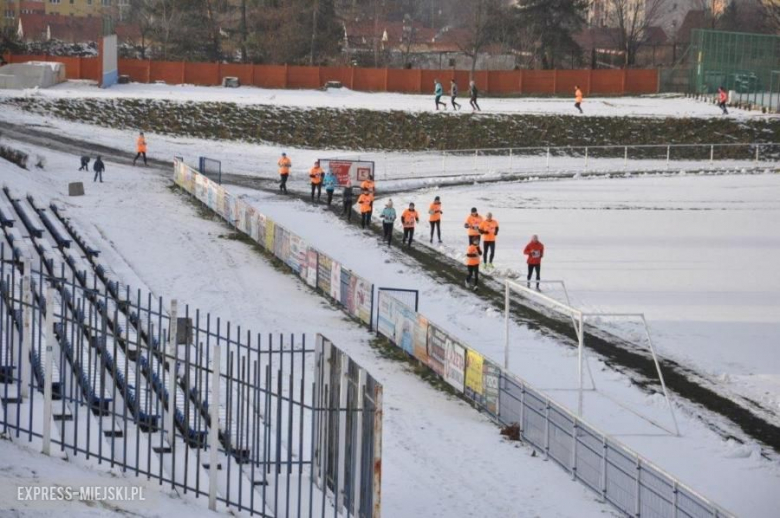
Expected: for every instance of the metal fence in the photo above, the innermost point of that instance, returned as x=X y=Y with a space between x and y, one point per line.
x=210 y=168
x=574 y=160
x=740 y=62
x=96 y=369
x=622 y=478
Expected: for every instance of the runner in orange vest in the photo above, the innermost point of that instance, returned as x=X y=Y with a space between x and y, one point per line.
x=578 y=98
x=723 y=98
x=489 y=231
x=316 y=174
x=472 y=226
x=535 y=251
x=434 y=217
x=140 y=148
x=284 y=164
x=472 y=263
x=409 y=217
x=371 y=187
x=365 y=200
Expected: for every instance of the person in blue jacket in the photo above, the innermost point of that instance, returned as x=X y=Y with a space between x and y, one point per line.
x=388 y=218
x=438 y=91
x=330 y=184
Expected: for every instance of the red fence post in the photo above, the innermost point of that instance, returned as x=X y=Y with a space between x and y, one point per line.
x=286 y=75
x=520 y=82
x=351 y=78
x=219 y=73
x=386 y=79
x=590 y=80
x=149 y=71
x=555 y=82
x=253 y=74
x=623 y=82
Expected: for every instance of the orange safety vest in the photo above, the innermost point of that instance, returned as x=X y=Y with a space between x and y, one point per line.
x=472 y=255
x=488 y=230
x=365 y=201
x=140 y=145
x=409 y=217
x=472 y=224
x=578 y=95
x=435 y=211
x=316 y=174
x=368 y=184
x=284 y=165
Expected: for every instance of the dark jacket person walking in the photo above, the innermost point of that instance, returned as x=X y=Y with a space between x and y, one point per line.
x=98 y=167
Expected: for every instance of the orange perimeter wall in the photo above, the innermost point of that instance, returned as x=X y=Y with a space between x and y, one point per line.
x=496 y=82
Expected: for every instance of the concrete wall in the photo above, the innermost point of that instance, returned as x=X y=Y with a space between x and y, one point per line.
x=29 y=75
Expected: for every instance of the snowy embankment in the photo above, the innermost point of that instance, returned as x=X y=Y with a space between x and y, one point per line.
x=644 y=106
x=440 y=458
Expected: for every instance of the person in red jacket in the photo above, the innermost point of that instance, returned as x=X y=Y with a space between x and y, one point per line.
x=723 y=98
x=535 y=251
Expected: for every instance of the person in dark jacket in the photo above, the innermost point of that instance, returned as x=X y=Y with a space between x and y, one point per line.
x=98 y=167
x=84 y=164
x=347 y=198
x=473 y=93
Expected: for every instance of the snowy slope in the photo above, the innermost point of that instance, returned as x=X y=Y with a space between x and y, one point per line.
x=646 y=106
x=440 y=458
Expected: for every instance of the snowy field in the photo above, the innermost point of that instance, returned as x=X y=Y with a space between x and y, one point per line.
x=440 y=457
x=701 y=263
x=644 y=106
x=698 y=255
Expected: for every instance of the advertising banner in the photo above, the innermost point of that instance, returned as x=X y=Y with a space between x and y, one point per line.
x=397 y=322
x=335 y=281
x=349 y=172
x=437 y=349
x=474 y=374
x=311 y=267
x=296 y=254
x=421 y=339
x=345 y=297
x=281 y=244
x=490 y=380
x=362 y=298
x=324 y=265
x=456 y=364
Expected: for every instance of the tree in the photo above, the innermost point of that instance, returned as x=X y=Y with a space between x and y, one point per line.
x=481 y=19
x=773 y=10
x=545 y=29
x=632 y=19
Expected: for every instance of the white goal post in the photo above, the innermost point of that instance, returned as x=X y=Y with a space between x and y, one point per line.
x=579 y=318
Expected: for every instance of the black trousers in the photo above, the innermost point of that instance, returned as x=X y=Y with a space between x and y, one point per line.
x=348 y=209
x=474 y=104
x=84 y=165
x=138 y=155
x=577 y=105
x=723 y=107
x=438 y=102
x=365 y=219
x=316 y=187
x=436 y=225
x=473 y=270
x=283 y=182
x=98 y=174
x=455 y=105
x=387 y=229
x=490 y=248
x=531 y=268
x=330 y=195
x=408 y=235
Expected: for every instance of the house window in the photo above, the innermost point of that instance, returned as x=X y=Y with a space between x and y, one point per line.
x=9 y=13
x=89 y=2
x=124 y=2
x=106 y=3
x=55 y=1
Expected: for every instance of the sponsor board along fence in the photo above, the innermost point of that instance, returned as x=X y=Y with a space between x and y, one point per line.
x=351 y=292
x=621 y=477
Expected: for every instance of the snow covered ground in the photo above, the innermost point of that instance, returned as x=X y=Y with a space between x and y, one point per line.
x=700 y=456
x=697 y=254
x=440 y=457
x=645 y=106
